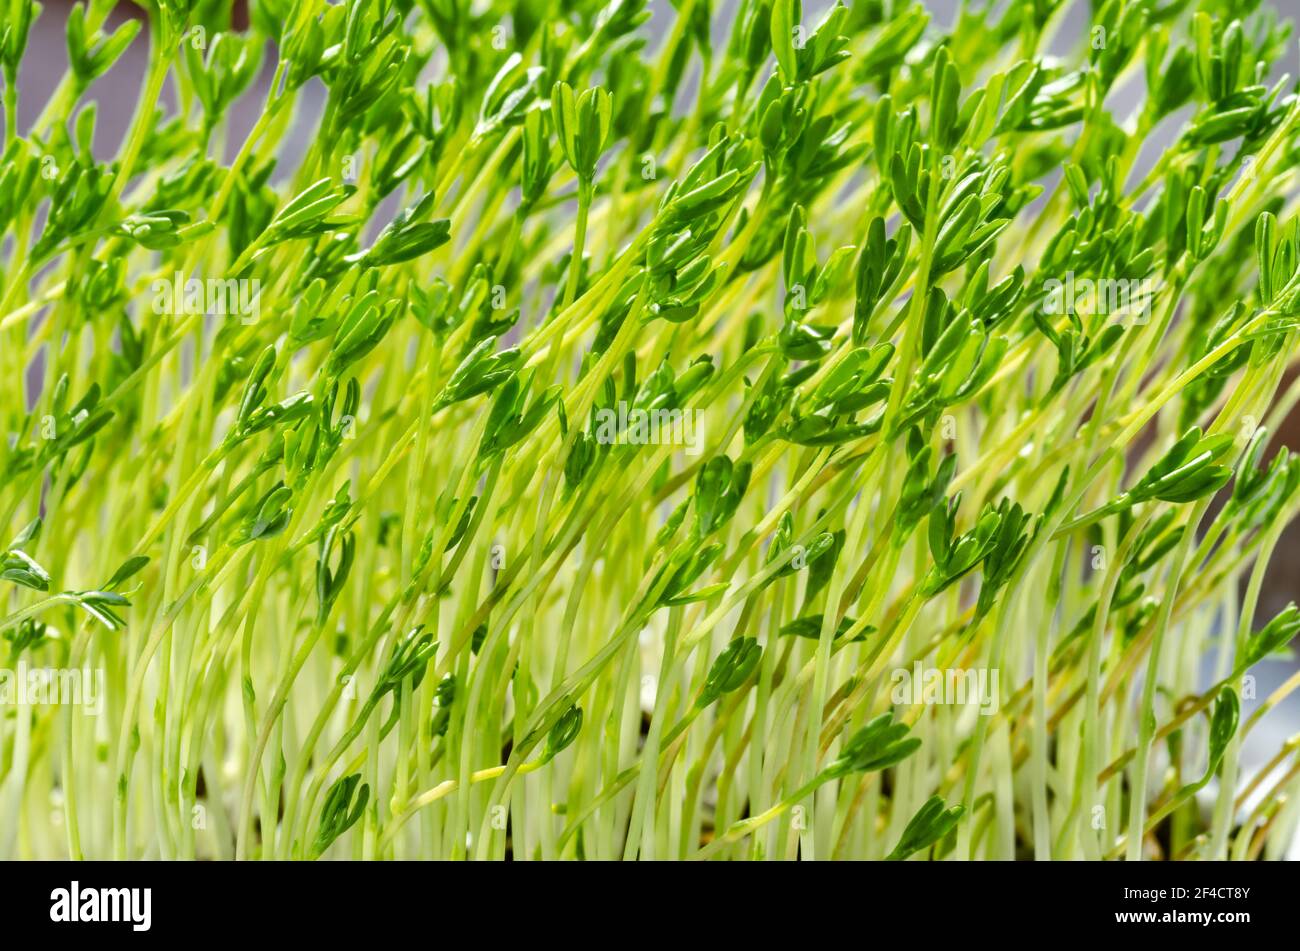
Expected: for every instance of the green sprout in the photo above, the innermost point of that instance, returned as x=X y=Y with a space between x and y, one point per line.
x=728 y=434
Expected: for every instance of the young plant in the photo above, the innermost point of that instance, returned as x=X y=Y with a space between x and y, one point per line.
x=580 y=438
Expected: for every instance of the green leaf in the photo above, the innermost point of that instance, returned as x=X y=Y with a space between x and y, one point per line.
x=931 y=823
x=1271 y=638
x=785 y=17
x=1223 y=726
x=563 y=733
x=810 y=626
x=128 y=570
x=880 y=744
x=731 y=670
x=339 y=812
x=409 y=658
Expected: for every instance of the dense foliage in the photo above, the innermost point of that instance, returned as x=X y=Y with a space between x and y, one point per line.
x=555 y=432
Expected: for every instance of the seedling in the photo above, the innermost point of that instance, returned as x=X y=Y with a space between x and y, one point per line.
x=981 y=372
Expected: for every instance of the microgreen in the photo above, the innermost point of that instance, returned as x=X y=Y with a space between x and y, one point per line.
x=742 y=432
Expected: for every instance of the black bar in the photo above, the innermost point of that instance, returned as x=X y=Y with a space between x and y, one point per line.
x=335 y=901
